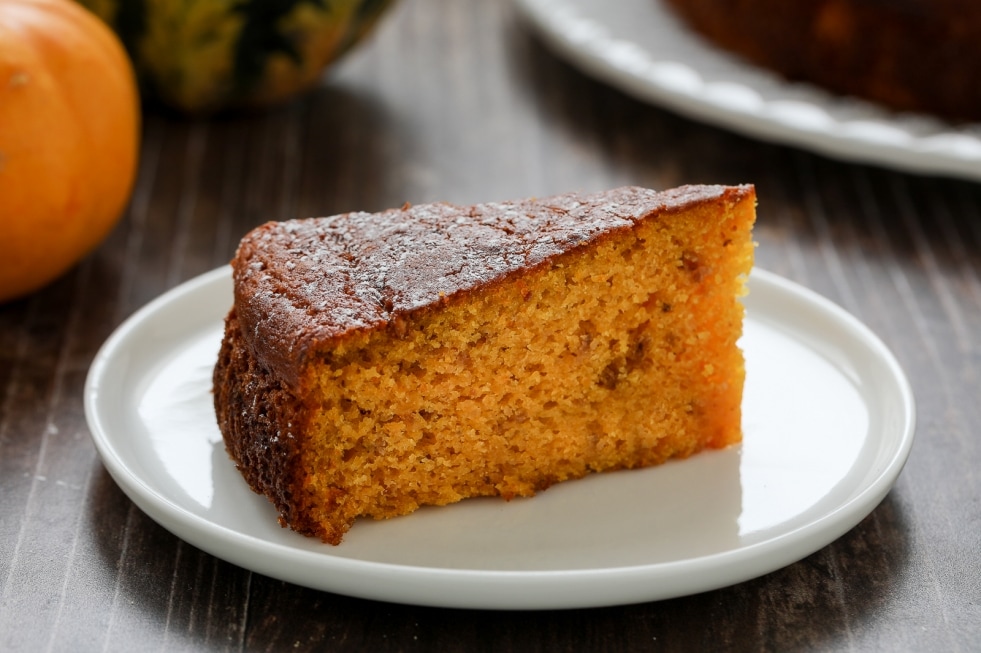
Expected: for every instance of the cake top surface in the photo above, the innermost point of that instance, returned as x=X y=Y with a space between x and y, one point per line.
x=301 y=282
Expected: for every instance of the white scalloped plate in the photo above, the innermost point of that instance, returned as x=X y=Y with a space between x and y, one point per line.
x=828 y=421
x=640 y=47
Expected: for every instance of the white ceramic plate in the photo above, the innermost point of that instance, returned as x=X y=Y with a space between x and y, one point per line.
x=828 y=421
x=640 y=47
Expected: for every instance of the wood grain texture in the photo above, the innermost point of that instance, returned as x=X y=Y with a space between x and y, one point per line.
x=457 y=101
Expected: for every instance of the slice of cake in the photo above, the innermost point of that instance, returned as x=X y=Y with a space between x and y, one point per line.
x=376 y=363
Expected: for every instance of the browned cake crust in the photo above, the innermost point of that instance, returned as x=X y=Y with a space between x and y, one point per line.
x=306 y=289
x=916 y=55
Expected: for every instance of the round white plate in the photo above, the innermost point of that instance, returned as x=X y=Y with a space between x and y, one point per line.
x=642 y=48
x=828 y=421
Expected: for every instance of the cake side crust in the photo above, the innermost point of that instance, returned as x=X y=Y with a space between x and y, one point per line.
x=262 y=423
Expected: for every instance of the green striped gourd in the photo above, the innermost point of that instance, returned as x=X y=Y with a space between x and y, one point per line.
x=202 y=56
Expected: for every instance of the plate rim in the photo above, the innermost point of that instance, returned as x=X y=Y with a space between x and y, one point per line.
x=509 y=589
x=884 y=137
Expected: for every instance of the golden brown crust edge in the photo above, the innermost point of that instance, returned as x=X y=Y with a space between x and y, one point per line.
x=336 y=291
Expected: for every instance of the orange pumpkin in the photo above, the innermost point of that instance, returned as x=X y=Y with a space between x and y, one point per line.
x=69 y=139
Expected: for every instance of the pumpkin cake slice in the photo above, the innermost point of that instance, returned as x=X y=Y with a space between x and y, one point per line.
x=376 y=363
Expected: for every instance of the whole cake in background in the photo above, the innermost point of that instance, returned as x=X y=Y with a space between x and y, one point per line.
x=376 y=363
x=910 y=55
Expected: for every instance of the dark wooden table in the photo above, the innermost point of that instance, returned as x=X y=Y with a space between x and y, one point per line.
x=458 y=101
